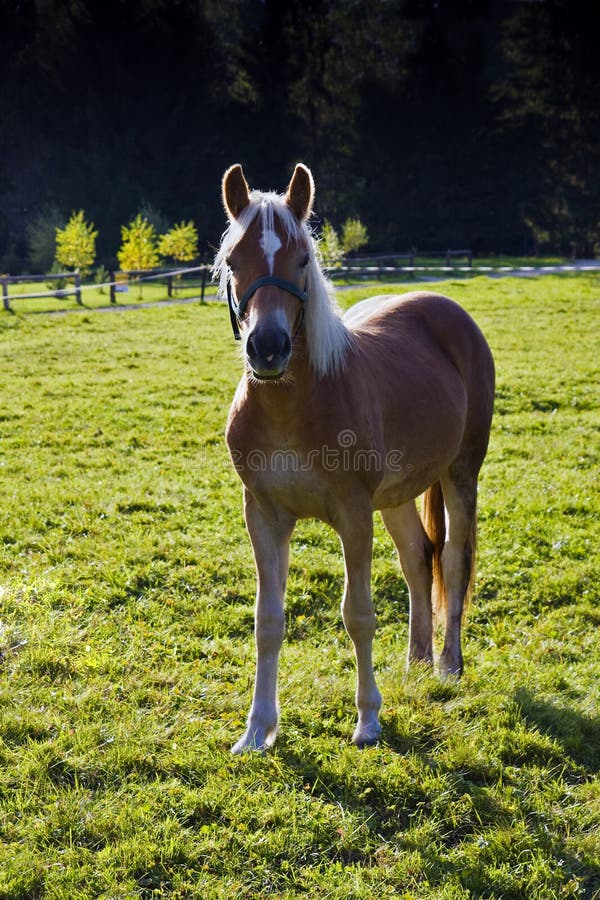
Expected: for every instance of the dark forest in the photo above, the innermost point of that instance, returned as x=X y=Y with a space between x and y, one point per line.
x=439 y=124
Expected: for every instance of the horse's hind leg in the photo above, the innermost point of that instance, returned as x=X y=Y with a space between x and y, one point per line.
x=459 y=487
x=415 y=553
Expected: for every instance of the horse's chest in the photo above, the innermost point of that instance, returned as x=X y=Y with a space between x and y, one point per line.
x=288 y=466
x=289 y=474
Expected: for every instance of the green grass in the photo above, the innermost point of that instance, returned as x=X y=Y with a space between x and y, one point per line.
x=126 y=646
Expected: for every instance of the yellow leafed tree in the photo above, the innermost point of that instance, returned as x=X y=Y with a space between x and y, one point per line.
x=76 y=243
x=138 y=245
x=180 y=242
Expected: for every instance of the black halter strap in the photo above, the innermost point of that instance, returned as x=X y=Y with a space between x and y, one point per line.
x=236 y=310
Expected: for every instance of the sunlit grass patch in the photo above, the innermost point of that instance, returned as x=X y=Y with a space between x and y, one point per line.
x=126 y=649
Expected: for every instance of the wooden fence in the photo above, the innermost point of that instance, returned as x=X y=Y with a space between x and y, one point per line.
x=369 y=266
x=407 y=258
x=6 y=280
x=119 y=280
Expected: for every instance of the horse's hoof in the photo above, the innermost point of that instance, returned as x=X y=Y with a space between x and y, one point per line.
x=419 y=664
x=450 y=669
x=367 y=736
x=255 y=740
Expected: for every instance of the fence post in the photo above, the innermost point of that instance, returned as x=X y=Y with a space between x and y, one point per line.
x=203 y=285
x=169 y=286
x=5 y=293
x=113 y=298
x=448 y=258
x=78 y=288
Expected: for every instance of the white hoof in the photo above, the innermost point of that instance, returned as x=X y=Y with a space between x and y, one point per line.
x=367 y=734
x=255 y=739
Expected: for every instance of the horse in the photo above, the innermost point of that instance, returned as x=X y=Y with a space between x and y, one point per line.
x=338 y=416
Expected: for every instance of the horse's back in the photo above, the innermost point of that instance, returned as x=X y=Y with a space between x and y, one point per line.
x=420 y=322
x=429 y=344
x=402 y=316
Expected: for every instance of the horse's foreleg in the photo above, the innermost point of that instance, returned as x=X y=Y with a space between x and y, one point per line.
x=414 y=551
x=356 y=534
x=270 y=535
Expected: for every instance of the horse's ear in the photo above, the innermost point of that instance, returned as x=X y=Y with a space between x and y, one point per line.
x=236 y=193
x=301 y=192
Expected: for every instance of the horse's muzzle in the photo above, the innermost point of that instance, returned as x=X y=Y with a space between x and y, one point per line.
x=268 y=352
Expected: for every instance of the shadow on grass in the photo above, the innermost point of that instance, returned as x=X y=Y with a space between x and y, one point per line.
x=578 y=734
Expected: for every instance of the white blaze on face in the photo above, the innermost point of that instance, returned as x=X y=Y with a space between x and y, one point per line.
x=269 y=241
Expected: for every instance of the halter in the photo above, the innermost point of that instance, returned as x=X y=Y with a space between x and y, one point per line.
x=236 y=310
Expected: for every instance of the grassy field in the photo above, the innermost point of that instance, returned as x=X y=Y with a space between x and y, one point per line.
x=126 y=607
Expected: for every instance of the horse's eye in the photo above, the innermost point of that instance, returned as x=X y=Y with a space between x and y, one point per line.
x=305 y=260
x=230 y=264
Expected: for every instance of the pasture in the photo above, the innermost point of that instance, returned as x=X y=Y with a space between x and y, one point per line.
x=126 y=645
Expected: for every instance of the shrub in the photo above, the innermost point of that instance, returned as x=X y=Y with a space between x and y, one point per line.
x=101 y=275
x=56 y=284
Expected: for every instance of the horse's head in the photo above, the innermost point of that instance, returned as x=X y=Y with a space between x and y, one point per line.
x=266 y=254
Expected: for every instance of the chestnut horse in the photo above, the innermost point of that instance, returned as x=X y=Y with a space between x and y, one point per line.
x=337 y=417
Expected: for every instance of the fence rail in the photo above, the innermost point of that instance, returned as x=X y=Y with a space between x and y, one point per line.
x=411 y=256
x=118 y=279
x=5 y=280
x=171 y=276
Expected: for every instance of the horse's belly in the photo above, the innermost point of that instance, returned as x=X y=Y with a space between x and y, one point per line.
x=397 y=488
x=301 y=493
x=407 y=473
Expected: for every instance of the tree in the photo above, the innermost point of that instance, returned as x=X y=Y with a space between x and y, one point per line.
x=548 y=103
x=180 y=242
x=138 y=248
x=76 y=243
x=154 y=216
x=330 y=248
x=354 y=235
x=41 y=238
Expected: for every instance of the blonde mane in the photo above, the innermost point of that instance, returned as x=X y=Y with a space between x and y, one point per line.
x=327 y=337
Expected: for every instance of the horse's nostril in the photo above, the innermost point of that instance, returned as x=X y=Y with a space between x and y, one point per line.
x=251 y=346
x=286 y=345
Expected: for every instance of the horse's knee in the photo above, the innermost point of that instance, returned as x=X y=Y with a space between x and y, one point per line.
x=360 y=625
x=270 y=629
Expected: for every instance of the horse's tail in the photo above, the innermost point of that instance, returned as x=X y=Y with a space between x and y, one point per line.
x=434 y=522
